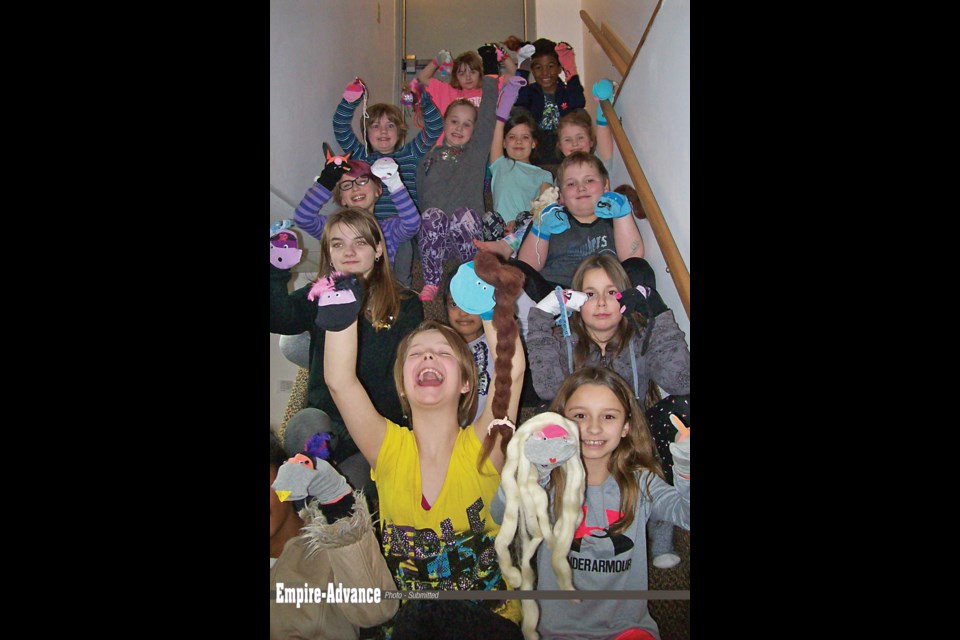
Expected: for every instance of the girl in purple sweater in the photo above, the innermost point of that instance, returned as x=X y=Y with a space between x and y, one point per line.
x=354 y=183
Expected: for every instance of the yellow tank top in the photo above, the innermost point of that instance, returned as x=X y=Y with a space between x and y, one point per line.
x=449 y=546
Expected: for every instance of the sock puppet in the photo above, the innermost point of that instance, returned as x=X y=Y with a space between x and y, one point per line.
x=285 y=251
x=541 y=444
x=489 y=287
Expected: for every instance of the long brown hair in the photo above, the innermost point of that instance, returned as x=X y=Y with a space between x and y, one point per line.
x=381 y=293
x=634 y=453
x=467 y=405
x=621 y=338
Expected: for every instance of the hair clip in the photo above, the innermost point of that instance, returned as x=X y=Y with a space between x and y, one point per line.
x=501 y=421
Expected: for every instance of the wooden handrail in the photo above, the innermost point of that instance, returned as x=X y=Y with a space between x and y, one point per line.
x=668 y=246
x=608 y=48
x=653 y=16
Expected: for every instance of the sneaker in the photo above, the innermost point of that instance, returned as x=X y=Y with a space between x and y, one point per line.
x=429 y=292
x=666 y=561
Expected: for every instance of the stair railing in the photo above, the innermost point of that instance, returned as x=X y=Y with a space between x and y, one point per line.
x=661 y=231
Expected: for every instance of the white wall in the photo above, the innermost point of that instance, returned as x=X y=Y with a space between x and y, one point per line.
x=559 y=20
x=654 y=107
x=459 y=25
x=316 y=48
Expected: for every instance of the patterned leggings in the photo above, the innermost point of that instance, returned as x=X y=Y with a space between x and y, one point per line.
x=443 y=236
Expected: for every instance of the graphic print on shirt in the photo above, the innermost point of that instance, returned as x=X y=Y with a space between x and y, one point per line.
x=592 y=246
x=420 y=559
x=621 y=544
x=481 y=355
x=551 y=115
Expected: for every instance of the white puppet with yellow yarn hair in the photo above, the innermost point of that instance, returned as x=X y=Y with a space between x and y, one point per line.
x=540 y=444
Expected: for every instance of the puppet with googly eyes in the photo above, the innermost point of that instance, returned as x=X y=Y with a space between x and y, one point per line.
x=285 y=251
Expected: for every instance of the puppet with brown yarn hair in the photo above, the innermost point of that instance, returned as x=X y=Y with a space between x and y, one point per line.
x=508 y=283
x=489 y=287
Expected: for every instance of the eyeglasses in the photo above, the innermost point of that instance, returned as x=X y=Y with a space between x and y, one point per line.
x=346 y=185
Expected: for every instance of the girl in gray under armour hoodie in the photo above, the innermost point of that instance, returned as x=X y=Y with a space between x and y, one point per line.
x=625 y=489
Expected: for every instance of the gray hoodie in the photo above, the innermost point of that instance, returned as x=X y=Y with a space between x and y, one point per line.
x=600 y=562
x=667 y=360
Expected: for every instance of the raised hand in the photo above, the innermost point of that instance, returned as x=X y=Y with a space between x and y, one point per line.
x=524 y=54
x=602 y=90
x=335 y=167
x=508 y=95
x=612 y=205
x=389 y=173
x=417 y=89
x=354 y=90
x=339 y=297
x=567 y=59
x=444 y=62
x=488 y=54
x=331 y=174
x=680 y=449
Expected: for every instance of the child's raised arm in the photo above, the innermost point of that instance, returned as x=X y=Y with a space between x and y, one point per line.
x=307 y=214
x=508 y=95
x=443 y=59
x=432 y=125
x=534 y=248
x=496 y=145
x=343 y=121
x=365 y=424
x=406 y=225
x=486 y=117
x=604 y=142
x=603 y=90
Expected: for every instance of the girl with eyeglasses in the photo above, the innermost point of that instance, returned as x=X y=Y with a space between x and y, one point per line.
x=354 y=183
